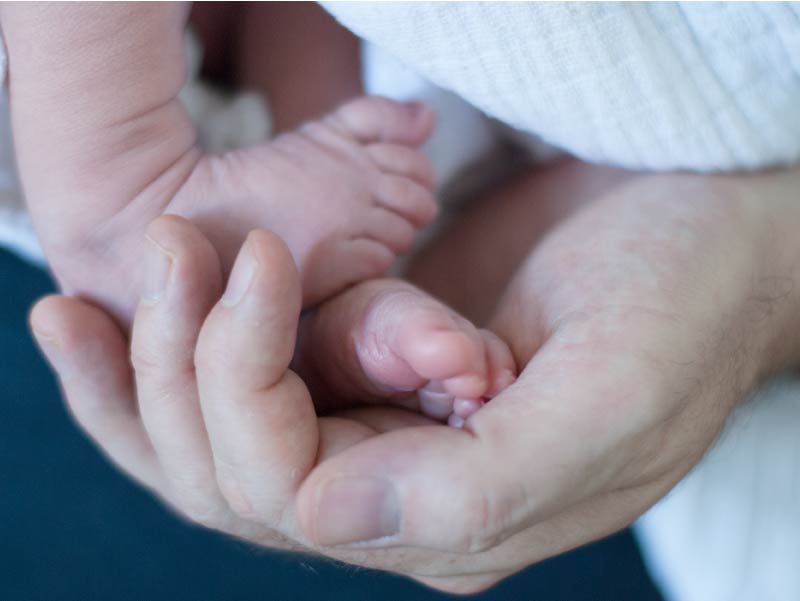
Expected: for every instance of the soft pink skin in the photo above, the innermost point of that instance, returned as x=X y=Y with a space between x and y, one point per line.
x=403 y=343
x=104 y=146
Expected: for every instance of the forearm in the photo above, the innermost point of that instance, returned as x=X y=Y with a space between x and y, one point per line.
x=94 y=102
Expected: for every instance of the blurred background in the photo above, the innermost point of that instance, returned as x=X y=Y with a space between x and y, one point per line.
x=72 y=528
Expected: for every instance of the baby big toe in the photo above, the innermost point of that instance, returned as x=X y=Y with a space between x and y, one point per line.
x=435 y=353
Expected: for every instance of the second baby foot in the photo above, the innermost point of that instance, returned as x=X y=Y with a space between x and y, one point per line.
x=346 y=193
x=403 y=341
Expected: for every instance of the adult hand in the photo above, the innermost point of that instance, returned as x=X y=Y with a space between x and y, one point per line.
x=642 y=320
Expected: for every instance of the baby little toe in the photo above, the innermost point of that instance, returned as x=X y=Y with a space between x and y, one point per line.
x=434 y=401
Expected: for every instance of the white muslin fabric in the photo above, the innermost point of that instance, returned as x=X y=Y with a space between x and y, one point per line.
x=730 y=531
x=698 y=86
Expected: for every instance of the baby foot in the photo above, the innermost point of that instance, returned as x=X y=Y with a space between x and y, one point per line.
x=346 y=193
x=386 y=338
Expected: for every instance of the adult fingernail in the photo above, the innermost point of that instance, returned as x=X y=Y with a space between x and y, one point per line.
x=354 y=509
x=241 y=277
x=158 y=265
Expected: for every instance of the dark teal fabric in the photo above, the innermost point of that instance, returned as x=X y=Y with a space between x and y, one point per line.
x=72 y=528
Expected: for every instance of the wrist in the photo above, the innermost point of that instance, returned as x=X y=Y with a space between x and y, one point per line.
x=773 y=301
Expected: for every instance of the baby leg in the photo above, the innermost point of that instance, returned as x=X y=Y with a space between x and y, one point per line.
x=299 y=57
x=292 y=53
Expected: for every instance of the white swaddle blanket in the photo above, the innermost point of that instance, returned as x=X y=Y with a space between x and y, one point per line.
x=701 y=87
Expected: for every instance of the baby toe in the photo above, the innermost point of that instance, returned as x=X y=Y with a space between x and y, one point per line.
x=463 y=408
x=371 y=119
x=389 y=229
x=403 y=161
x=435 y=354
x=502 y=368
x=410 y=341
x=469 y=385
x=455 y=421
x=406 y=197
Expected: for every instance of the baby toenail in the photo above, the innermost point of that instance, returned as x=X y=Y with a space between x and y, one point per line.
x=466 y=407
x=435 y=404
x=455 y=422
x=435 y=386
x=414 y=108
x=434 y=397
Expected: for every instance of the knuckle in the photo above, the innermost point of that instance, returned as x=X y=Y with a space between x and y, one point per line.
x=199 y=511
x=235 y=495
x=212 y=358
x=144 y=360
x=191 y=496
x=482 y=523
x=243 y=500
